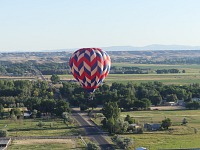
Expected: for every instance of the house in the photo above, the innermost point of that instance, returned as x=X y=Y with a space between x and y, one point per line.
x=170 y=103
x=196 y=99
x=152 y=126
x=27 y=114
x=181 y=103
x=4 y=143
x=134 y=128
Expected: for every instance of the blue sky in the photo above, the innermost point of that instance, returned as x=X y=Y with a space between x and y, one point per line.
x=59 y=24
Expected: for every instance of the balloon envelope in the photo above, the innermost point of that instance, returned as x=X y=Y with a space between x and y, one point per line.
x=89 y=67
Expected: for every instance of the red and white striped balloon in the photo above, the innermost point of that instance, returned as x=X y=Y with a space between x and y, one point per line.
x=89 y=67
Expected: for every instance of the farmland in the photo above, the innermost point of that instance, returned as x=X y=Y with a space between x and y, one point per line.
x=192 y=74
x=29 y=127
x=45 y=144
x=178 y=136
x=52 y=128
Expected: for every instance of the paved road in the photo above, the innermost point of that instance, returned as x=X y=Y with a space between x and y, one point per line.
x=93 y=132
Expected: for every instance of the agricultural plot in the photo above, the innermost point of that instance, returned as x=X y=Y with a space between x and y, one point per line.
x=180 y=79
x=179 y=136
x=189 y=68
x=29 y=127
x=164 y=78
x=192 y=74
x=46 y=144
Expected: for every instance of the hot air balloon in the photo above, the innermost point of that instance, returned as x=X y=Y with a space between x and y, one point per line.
x=89 y=67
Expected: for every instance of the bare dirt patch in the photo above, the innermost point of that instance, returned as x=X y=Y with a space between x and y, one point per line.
x=167 y=108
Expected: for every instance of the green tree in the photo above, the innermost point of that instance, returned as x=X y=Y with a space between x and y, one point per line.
x=172 y=98
x=3 y=133
x=111 y=125
x=16 y=112
x=55 y=78
x=111 y=110
x=147 y=102
x=92 y=146
x=1 y=110
x=40 y=124
x=166 y=123
x=61 y=106
x=47 y=106
x=129 y=119
x=34 y=114
x=140 y=104
x=193 y=105
x=184 y=122
x=126 y=103
x=156 y=100
x=121 y=126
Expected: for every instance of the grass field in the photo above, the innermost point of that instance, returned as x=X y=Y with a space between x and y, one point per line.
x=180 y=79
x=178 y=136
x=28 y=127
x=46 y=144
x=192 y=74
x=188 y=68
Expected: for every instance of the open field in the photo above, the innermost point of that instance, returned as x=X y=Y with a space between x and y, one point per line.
x=164 y=78
x=188 y=68
x=180 y=79
x=46 y=144
x=177 y=137
x=18 y=78
x=28 y=127
x=192 y=74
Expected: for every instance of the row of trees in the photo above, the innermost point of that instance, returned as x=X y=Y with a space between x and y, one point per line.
x=53 y=68
x=127 y=70
x=35 y=95
x=28 y=68
x=16 y=69
x=165 y=71
x=131 y=96
x=115 y=124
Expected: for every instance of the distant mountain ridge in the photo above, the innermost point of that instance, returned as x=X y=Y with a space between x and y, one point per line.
x=152 y=47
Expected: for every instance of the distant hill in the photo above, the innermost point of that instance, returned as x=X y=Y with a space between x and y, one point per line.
x=133 y=48
x=151 y=47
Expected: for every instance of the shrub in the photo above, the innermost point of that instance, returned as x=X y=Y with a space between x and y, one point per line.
x=40 y=124
x=92 y=146
x=129 y=119
x=166 y=123
x=3 y=133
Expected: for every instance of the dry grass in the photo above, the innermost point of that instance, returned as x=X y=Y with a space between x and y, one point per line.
x=21 y=109
x=44 y=141
x=46 y=144
x=167 y=108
